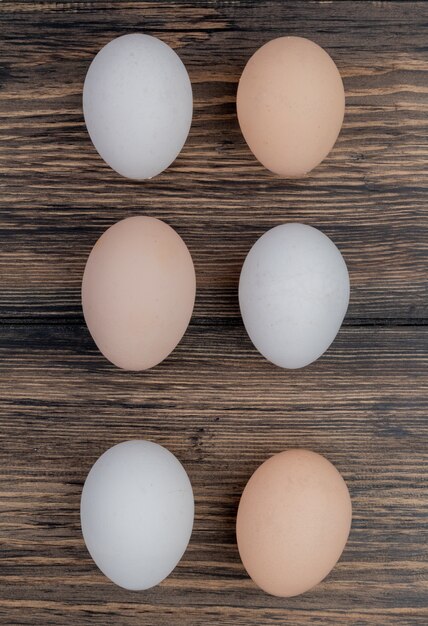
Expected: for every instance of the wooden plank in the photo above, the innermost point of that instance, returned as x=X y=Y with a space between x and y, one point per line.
x=57 y=196
x=222 y=409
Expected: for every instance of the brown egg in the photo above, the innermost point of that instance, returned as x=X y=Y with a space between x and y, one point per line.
x=293 y=522
x=138 y=292
x=290 y=105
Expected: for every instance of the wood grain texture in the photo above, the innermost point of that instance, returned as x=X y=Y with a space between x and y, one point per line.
x=222 y=410
x=215 y=402
x=58 y=196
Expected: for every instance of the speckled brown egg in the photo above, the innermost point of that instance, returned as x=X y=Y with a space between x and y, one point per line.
x=290 y=105
x=293 y=522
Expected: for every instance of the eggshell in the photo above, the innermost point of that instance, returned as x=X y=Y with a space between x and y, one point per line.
x=293 y=522
x=293 y=294
x=290 y=105
x=137 y=513
x=137 y=104
x=138 y=292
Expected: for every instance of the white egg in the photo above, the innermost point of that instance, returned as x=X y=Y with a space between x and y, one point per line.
x=293 y=294
x=137 y=512
x=137 y=104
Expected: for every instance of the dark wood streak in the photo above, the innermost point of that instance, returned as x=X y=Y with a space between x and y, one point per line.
x=214 y=402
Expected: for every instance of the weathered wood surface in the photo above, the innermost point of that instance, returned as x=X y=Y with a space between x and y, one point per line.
x=215 y=402
x=57 y=195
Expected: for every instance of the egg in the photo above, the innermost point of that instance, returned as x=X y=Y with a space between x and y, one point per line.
x=137 y=512
x=293 y=522
x=293 y=294
x=290 y=105
x=137 y=105
x=138 y=292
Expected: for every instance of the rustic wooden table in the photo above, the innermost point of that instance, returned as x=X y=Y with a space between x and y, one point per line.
x=216 y=403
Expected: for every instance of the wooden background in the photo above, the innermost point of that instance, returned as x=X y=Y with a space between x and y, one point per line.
x=216 y=403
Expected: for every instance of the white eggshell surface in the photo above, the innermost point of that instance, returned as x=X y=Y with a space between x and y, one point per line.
x=137 y=512
x=137 y=104
x=293 y=294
